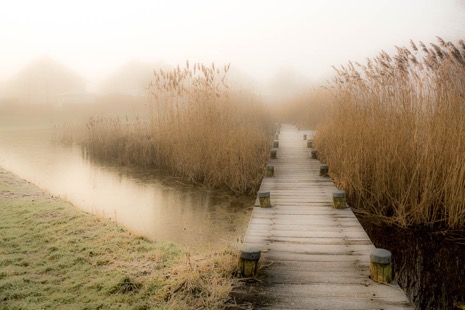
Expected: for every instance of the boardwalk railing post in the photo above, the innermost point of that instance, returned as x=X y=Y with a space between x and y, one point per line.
x=248 y=261
x=314 y=154
x=339 y=199
x=273 y=153
x=276 y=143
x=305 y=136
x=380 y=265
x=264 y=199
x=269 y=170
x=309 y=144
x=324 y=170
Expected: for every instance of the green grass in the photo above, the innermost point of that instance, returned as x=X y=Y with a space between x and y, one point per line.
x=54 y=256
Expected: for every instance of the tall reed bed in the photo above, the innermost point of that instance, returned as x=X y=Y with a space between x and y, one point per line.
x=195 y=127
x=396 y=138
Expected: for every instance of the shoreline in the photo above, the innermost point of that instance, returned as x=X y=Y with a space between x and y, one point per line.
x=53 y=254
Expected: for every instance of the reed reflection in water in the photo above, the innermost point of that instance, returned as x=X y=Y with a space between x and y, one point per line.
x=149 y=203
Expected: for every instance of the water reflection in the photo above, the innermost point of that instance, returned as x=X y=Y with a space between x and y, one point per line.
x=148 y=202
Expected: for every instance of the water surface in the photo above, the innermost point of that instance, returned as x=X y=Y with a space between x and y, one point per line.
x=148 y=202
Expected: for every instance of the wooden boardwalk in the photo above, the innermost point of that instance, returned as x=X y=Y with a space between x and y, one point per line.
x=317 y=257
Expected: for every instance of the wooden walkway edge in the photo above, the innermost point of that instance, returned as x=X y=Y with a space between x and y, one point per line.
x=316 y=257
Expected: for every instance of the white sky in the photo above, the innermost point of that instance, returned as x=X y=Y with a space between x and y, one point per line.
x=259 y=38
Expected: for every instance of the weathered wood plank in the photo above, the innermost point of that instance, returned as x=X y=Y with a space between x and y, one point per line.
x=315 y=249
x=310 y=240
x=351 y=235
x=306 y=220
x=291 y=227
x=313 y=258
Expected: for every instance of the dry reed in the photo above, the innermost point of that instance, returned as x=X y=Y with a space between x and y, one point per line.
x=202 y=281
x=196 y=127
x=396 y=138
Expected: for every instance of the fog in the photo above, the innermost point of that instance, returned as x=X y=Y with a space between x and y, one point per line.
x=266 y=42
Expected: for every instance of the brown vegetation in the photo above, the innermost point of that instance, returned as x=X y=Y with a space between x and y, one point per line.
x=196 y=127
x=396 y=138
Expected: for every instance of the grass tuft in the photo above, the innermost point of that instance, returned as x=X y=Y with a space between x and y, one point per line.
x=125 y=286
x=202 y=282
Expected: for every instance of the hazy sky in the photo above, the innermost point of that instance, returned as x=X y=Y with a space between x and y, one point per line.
x=260 y=38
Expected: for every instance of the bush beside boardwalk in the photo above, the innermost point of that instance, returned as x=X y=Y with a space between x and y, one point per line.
x=53 y=255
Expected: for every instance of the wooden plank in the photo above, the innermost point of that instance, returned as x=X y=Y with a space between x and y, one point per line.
x=357 y=291
x=315 y=241
x=313 y=258
x=351 y=235
x=302 y=228
x=318 y=219
x=316 y=249
x=303 y=219
x=290 y=277
x=279 y=227
x=292 y=209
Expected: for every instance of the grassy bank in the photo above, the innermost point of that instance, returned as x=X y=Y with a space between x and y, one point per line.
x=396 y=138
x=195 y=127
x=54 y=256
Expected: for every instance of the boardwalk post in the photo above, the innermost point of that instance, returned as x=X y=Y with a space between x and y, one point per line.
x=305 y=136
x=269 y=170
x=380 y=265
x=339 y=199
x=309 y=144
x=276 y=143
x=264 y=198
x=324 y=169
x=248 y=261
x=314 y=154
x=273 y=153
